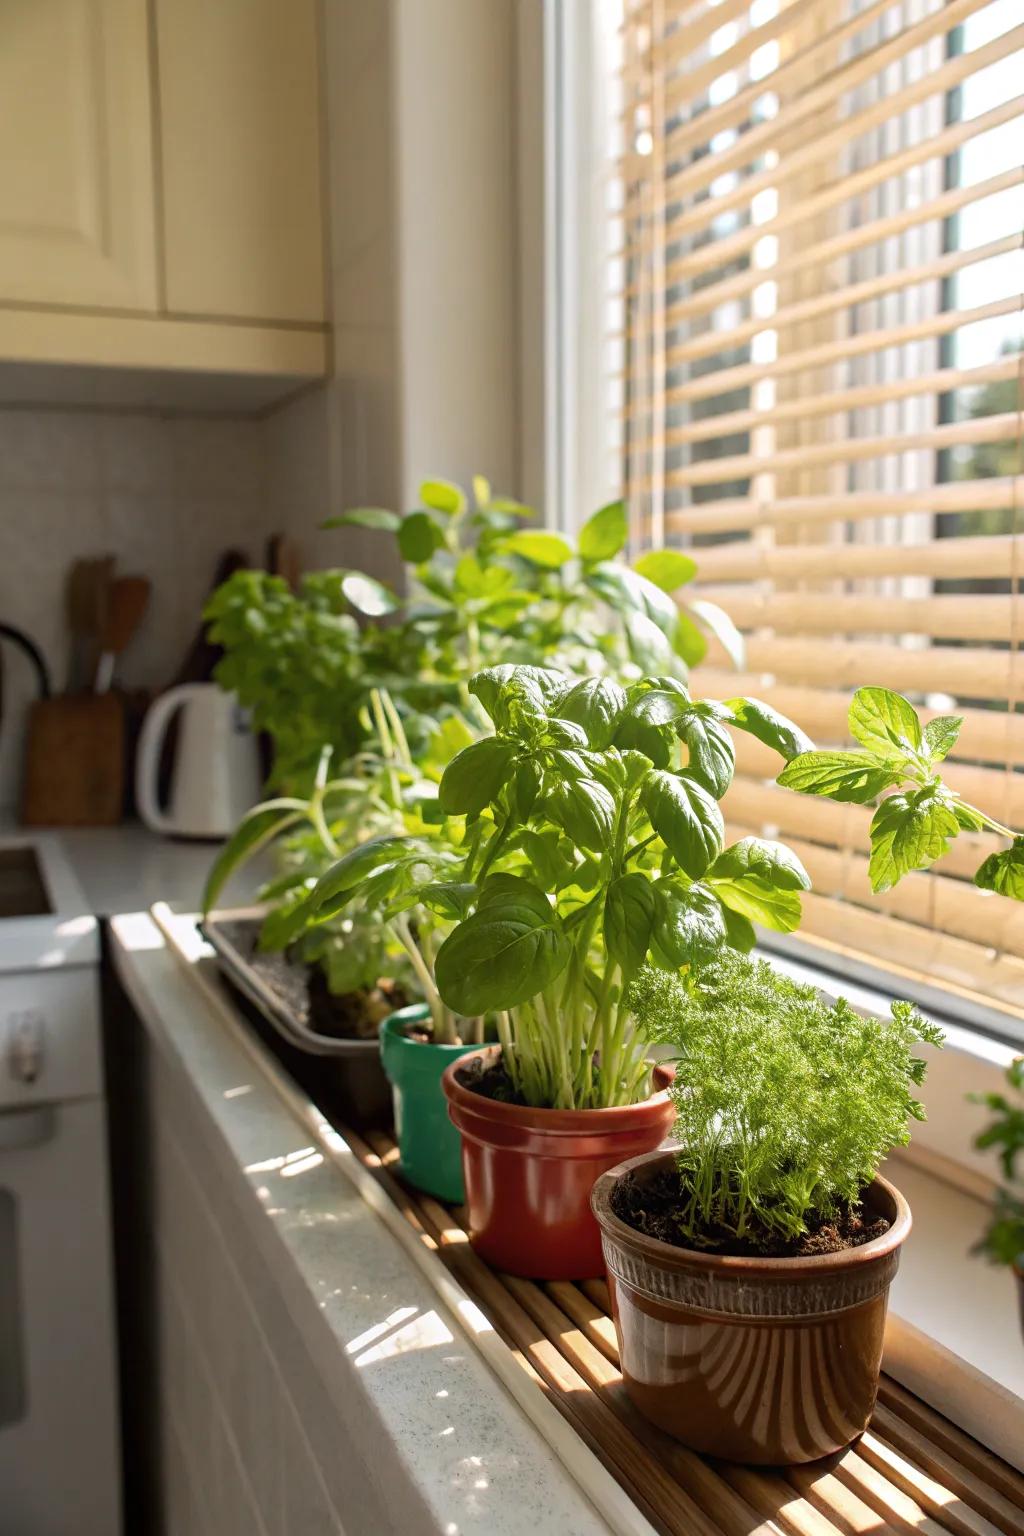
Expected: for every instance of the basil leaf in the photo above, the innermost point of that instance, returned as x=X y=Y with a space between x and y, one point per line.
x=367 y=595
x=722 y=627
x=540 y=684
x=510 y=949
x=475 y=776
x=910 y=831
x=443 y=496
x=690 y=928
x=764 y=722
x=667 y=568
x=449 y=898
x=256 y=828
x=586 y=812
x=940 y=735
x=770 y=861
x=970 y=820
x=1004 y=872
x=688 y=641
x=712 y=753
x=852 y=777
x=686 y=818
x=626 y=591
x=739 y=931
x=525 y=788
x=649 y=646
x=630 y=913
x=549 y=550
x=884 y=722
x=418 y=537
x=759 y=901
x=656 y=706
x=335 y=889
x=595 y=703
x=604 y=533
x=481 y=490
x=365 y=517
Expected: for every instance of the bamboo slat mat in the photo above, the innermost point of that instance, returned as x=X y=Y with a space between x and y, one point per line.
x=912 y=1471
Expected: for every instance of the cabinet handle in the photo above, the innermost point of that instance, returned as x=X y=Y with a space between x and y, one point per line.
x=23 y=1128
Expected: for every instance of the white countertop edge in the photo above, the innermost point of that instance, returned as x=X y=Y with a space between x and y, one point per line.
x=509 y=1422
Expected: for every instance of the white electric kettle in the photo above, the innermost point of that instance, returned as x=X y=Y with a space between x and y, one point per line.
x=216 y=776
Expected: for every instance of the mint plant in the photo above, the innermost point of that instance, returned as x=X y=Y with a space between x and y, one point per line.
x=593 y=844
x=1003 y=1242
x=914 y=827
x=786 y=1103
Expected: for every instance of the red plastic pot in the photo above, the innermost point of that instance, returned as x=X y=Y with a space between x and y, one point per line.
x=529 y=1173
x=762 y=1360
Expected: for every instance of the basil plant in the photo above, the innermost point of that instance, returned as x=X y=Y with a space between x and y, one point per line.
x=590 y=844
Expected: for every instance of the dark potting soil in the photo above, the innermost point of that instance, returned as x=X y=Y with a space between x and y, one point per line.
x=653 y=1206
x=303 y=990
x=491 y=1082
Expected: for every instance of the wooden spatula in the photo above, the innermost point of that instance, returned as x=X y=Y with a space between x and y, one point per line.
x=129 y=596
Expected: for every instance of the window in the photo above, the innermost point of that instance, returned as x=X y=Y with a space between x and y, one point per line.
x=806 y=319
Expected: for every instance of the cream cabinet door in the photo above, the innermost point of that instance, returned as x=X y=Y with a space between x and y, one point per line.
x=240 y=158
x=77 y=224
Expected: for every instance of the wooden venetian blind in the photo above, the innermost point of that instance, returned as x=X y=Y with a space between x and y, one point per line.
x=816 y=302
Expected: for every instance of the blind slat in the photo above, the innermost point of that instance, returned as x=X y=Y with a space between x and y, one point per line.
x=988 y=555
x=746 y=513
x=986 y=617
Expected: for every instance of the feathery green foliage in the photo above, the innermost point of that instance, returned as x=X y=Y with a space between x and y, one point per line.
x=1004 y=1240
x=785 y=1103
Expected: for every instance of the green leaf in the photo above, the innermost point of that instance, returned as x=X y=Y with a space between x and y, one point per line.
x=910 y=831
x=365 y=517
x=549 y=550
x=636 y=736
x=970 y=820
x=630 y=913
x=418 y=537
x=764 y=722
x=761 y=902
x=691 y=925
x=475 y=776
x=625 y=590
x=368 y=595
x=257 y=828
x=1004 y=872
x=667 y=568
x=585 y=810
x=722 y=627
x=650 y=648
x=940 y=735
x=712 y=757
x=604 y=533
x=739 y=931
x=688 y=641
x=686 y=818
x=335 y=889
x=597 y=704
x=853 y=777
x=443 y=496
x=658 y=701
x=481 y=490
x=449 y=898
x=770 y=861
x=510 y=949
x=884 y=722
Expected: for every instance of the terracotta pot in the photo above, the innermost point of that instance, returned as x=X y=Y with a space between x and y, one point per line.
x=529 y=1172
x=428 y=1143
x=754 y=1360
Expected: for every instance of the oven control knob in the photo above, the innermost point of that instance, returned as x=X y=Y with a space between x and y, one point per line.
x=26 y=1032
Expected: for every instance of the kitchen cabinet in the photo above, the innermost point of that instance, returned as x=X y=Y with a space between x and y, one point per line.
x=161 y=238
x=76 y=173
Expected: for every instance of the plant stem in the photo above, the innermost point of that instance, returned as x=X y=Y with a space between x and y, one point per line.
x=444 y=1031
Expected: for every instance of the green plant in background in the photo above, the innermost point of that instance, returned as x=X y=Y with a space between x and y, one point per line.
x=786 y=1103
x=1004 y=1240
x=383 y=792
x=914 y=827
x=495 y=590
x=593 y=845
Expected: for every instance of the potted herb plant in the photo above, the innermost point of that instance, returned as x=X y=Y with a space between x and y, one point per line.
x=750 y=1265
x=1003 y=1242
x=590 y=849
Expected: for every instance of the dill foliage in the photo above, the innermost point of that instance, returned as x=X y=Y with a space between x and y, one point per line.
x=786 y=1103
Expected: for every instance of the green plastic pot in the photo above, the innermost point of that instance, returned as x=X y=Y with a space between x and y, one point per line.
x=429 y=1146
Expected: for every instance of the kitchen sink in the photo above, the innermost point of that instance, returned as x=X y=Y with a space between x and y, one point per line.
x=23 y=890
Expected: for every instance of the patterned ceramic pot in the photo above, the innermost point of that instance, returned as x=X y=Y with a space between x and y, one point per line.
x=769 y=1361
